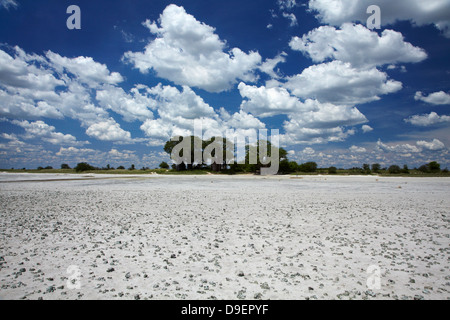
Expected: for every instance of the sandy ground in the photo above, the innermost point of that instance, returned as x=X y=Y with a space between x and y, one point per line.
x=223 y=237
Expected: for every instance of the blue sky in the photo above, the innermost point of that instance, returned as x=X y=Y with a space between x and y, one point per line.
x=139 y=72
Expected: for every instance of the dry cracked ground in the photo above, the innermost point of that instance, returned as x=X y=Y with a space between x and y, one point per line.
x=224 y=237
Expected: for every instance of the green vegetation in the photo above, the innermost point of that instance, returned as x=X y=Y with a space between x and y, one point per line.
x=394 y=169
x=187 y=172
x=366 y=168
x=376 y=167
x=308 y=167
x=164 y=165
x=217 y=163
x=332 y=170
x=65 y=166
x=432 y=169
x=83 y=166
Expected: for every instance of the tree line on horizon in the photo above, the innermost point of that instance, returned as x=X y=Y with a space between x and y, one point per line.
x=285 y=165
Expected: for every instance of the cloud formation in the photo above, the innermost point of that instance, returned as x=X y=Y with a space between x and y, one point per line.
x=8 y=4
x=188 y=52
x=357 y=149
x=325 y=122
x=407 y=148
x=269 y=65
x=108 y=130
x=366 y=128
x=45 y=132
x=426 y=120
x=418 y=12
x=437 y=98
x=287 y=4
x=135 y=105
x=338 y=82
x=359 y=46
x=266 y=102
x=291 y=17
x=432 y=145
x=85 y=69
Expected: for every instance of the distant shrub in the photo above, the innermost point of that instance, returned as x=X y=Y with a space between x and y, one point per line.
x=366 y=168
x=356 y=170
x=293 y=166
x=284 y=166
x=430 y=167
x=308 y=167
x=83 y=166
x=164 y=165
x=376 y=167
x=394 y=169
x=65 y=166
x=120 y=168
x=434 y=166
x=332 y=170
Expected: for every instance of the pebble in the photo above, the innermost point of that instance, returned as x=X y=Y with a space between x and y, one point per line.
x=241 y=294
x=50 y=289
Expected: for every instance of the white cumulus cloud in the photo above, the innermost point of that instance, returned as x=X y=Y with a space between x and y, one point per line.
x=243 y=120
x=432 y=145
x=338 y=82
x=173 y=103
x=269 y=65
x=438 y=98
x=108 y=130
x=366 y=128
x=41 y=130
x=406 y=148
x=85 y=69
x=358 y=45
x=399 y=148
x=188 y=52
x=357 y=149
x=427 y=119
x=266 y=102
x=309 y=151
x=132 y=106
x=324 y=123
x=419 y=12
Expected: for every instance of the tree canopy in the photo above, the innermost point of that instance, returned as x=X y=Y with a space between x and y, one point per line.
x=204 y=153
x=83 y=166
